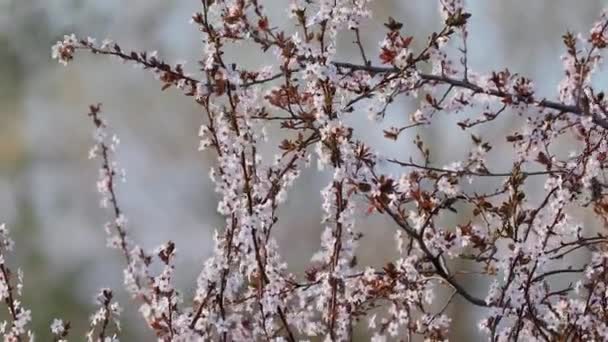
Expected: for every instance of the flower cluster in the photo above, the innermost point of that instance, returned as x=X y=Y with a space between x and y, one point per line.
x=60 y=330
x=101 y=320
x=15 y=327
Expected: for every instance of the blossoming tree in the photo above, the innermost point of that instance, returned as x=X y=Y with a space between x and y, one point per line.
x=522 y=244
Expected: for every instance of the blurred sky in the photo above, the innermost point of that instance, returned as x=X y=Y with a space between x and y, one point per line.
x=47 y=184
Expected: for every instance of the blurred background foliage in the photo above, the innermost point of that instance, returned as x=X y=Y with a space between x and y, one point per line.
x=47 y=185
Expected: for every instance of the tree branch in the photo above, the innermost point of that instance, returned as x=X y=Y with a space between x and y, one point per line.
x=562 y=107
